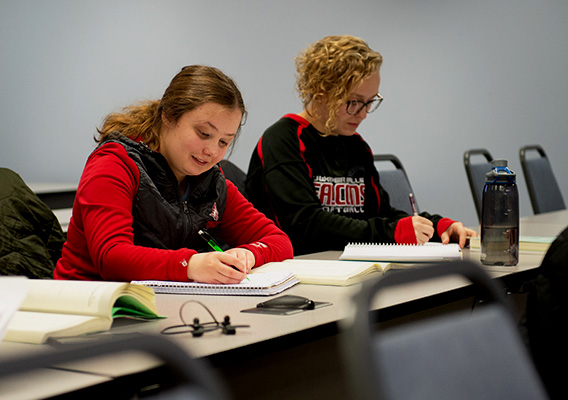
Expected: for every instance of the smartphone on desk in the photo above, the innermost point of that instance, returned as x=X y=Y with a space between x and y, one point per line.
x=286 y=305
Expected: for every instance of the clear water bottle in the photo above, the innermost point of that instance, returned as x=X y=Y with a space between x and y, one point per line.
x=500 y=216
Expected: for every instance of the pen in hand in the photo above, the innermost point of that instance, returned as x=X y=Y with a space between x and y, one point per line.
x=210 y=240
x=213 y=244
x=413 y=204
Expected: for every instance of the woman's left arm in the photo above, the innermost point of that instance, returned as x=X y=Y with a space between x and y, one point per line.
x=458 y=233
x=243 y=226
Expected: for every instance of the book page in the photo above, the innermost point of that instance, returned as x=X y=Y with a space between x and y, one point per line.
x=321 y=268
x=127 y=306
x=34 y=327
x=72 y=297
x=12 y=292
x=329 y=272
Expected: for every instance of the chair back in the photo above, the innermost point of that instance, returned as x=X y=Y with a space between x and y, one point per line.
x=475 y=171
x=234 y=174
x=182 y=377
x=395 y=181
x=542 y=186
x=459 y=355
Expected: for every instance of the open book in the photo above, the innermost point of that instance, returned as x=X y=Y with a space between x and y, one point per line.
x=257 y=284
x=429 y=252
x=331 y=272
x=13 y=289
x=54 y=308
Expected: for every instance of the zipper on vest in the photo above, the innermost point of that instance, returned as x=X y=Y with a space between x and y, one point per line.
x=185 y=207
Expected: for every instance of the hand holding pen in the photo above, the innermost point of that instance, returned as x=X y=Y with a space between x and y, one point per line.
x=423 y=227
x=413 y=204
x=215 y=246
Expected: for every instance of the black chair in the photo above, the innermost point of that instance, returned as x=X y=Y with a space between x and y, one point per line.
x=180 y=376
x=458 y=355
x=475 y=172
x=544 y=191
x=395 y=181
x=234 y=174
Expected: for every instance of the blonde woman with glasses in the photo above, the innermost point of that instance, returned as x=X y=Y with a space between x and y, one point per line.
x=313 y=173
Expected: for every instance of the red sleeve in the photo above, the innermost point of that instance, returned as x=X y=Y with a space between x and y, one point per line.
x=404 y=231
x=104 y=207
x=245 y=226
x=443 y=224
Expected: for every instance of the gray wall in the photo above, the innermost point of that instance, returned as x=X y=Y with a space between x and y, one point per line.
x=457 y=75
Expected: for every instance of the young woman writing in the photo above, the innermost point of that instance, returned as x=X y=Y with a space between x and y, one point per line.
x=314 y=174
x=153 y=183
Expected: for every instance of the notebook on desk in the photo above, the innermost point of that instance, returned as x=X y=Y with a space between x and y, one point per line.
x=331 y=272
x=257 y=284
x=402 y=253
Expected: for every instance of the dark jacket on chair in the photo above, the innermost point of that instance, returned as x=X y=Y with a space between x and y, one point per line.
x=30 y=235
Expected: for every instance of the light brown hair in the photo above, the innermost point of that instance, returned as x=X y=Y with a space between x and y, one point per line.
x=192 y=87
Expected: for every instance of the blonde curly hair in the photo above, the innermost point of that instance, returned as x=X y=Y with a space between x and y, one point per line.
x=330 y=69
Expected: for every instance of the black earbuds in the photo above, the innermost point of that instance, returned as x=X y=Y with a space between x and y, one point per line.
x=198 y=329
x=226 y=326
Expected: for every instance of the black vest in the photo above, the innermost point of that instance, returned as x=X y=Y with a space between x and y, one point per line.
x=161 y=218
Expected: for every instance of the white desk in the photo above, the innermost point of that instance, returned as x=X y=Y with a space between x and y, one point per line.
x=52 y=187
x=296 y=356
x=53 y=382
x=63 y=215
x=55 y=195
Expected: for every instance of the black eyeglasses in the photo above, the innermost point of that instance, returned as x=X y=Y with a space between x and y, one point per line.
x=197 y=328
x=355 y=106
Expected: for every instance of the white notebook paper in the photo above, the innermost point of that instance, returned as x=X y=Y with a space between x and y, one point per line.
x=429 y=252
x=258 y=284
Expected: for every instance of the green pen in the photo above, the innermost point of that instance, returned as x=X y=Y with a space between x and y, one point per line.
x=213 y=244
x=210 y=240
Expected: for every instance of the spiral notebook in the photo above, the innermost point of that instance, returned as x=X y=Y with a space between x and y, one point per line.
x=257 y=284
x=429 y=252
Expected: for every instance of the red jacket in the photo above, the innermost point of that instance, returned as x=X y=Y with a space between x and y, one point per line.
x=100 y=239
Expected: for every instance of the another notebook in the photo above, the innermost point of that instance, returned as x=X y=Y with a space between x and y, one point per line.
x=526 y=243
x=331 y=272
x=429 y=252
x=258 y=284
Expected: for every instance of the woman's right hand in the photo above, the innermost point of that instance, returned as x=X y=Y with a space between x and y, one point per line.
x=423 y=229
x=216 y=267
